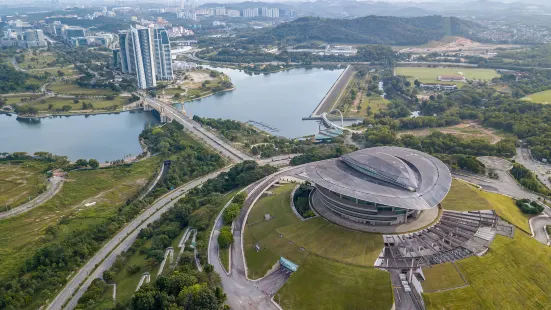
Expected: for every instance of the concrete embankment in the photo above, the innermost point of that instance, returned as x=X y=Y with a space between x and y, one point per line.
x=334 y=93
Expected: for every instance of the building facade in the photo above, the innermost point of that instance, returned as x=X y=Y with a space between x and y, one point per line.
x=144 y=56
x=163 y=57
x=379 y=186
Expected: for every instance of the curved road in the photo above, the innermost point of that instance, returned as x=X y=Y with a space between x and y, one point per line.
x=538 y=224
x=241 y=292
x=106 y=256
x=54 y=186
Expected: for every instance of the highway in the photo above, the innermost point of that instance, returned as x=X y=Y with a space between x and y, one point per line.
x=106 y=256
x=54 y=185
x=197 y=130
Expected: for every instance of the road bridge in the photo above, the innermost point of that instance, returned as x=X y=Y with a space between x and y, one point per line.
x=169 y=113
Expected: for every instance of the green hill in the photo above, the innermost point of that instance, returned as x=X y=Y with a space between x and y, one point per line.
x=367 y=30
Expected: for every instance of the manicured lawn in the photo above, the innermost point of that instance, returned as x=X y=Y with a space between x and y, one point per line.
x=514 y=274
x=37 y=62
x=98 y=103
x=465 y=197
x=15 y=99
x=541 y=97
x=69 y=71
x=20 y=183
x=430 y=75
x=22 y=235
x=443 y=276
x=225 y=258
x=72 y=88
x=335 y=242
x=324 y=284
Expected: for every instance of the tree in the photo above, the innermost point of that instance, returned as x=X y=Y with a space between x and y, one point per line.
x=94 y=164
x=231 y=212
x=66 y=108
x=417 y=83
x=75 y=101
x=133 y=269
x=240 y=198
x=225 y=239
x=60 y=73
x=81 y=163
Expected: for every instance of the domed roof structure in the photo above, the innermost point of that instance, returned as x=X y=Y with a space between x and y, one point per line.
x=392 y=176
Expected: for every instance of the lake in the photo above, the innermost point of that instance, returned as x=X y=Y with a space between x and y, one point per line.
x=105 y=137
x=279 y=100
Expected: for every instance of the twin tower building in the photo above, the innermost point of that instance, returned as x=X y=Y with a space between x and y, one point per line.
x=145 y=52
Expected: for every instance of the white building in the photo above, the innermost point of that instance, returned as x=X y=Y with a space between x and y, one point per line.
x=184 y=66
x=163 y=58
x=270 y=12
x=250 y=12
x=219 y=11
x=233 y=13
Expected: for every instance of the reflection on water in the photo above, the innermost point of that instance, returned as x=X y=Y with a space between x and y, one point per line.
x=104 y=137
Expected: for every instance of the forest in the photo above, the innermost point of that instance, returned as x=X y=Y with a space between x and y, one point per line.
x=365 y=30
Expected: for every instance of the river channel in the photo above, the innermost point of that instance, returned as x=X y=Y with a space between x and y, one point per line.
x=279 y=100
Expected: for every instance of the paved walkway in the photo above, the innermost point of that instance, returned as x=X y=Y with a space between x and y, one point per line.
x=54 y=186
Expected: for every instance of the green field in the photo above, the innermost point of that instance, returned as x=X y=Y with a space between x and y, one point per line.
x=440 y=277
x=326 y=246
x=465 y=197
x=72 y=88
x=377 y=103
x=430 y=75
x=22 y=235
x=18 y=98
x=20 y=183
x=514 y=274
x=335 y=242
x=37 y=62
x=58 y=103
x=541 y=97
x=323 y=284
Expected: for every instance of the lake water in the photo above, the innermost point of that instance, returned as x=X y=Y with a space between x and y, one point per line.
x=279 y=100
x=104 y=137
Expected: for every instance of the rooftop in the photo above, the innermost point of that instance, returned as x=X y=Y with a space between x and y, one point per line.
x=392 y=176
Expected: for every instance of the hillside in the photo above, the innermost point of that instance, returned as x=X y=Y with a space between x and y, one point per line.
x=366 y=30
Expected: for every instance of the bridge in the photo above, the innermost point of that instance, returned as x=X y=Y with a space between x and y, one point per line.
x=168 y=113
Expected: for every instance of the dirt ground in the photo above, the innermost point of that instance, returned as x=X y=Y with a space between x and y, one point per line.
x=459 y=44
x=466 y=130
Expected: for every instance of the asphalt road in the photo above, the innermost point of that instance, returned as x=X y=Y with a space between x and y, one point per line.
x=106 y=256
x=196 y=129
x=525 y=158
x=54 y=185
x=538 y=225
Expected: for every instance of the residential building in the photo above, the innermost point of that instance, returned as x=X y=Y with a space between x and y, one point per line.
x=144 y=56
x=250 y=13
x=163 y=58
x=218 y=11
x=233 y=13
x=270 y=12
x=145 y=52
x=116 y=58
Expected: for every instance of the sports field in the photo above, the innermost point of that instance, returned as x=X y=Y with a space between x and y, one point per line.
x=465 y=197
x=20 y=182
x=543 y=97
x=430 y=75
x=514 y=274
x=325 y=247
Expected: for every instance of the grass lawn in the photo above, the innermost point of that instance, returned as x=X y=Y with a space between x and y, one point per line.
x=98 y=103
x=37 y=62
x=69 y=71
x=541 y=97
x=465 y=197
x=514 y=274
x=72 y=88
x=225 y=258
x=377 y=103
x=323 y=284
x=335 y=242
x=430 y=75
x=14 y=99
x=22 y=235
x=443 y=276
x=20 y=182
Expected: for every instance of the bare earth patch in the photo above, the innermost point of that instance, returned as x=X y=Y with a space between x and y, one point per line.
x=466 y=130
